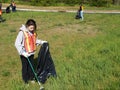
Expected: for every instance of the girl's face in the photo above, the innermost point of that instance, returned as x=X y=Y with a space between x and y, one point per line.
x=31 y=28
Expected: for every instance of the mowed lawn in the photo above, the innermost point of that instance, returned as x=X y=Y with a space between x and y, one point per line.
x=86 y=53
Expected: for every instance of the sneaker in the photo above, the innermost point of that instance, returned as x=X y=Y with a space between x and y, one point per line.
x=42 y=88
x=27 y=85
x=32 y=81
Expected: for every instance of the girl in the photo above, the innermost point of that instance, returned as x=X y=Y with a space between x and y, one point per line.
x=0 y=10
x=25 y=44
x=81 y=12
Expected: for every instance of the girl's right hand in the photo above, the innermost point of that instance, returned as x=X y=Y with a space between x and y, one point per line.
x=26 y=54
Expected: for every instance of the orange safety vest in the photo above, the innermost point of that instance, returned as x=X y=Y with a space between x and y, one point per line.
x=0 y=12
x=82 y=7
x=30 y=42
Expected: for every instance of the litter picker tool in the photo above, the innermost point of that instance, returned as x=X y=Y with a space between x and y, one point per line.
x=41 y=87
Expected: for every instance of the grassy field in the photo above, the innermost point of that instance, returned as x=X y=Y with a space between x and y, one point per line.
x=86 y=53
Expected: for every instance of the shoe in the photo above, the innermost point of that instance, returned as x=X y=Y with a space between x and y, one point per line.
x=32 y=81
x=27 y=85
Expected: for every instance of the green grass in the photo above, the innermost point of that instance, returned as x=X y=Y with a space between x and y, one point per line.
x=86 y=53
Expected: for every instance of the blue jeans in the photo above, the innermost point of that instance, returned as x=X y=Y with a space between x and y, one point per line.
x=81 y=15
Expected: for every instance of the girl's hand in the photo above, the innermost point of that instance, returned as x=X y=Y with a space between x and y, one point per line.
x=25 y=54
x=44 y=42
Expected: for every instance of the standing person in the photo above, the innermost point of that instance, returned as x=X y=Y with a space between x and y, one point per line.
x=1 y=19
x=81 y=12
x=13 y=5
x=25 y=44
x=0 y=11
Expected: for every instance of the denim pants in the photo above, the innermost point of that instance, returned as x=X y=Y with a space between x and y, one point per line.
x=81 y=15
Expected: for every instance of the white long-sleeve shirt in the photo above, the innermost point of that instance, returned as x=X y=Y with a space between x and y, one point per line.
x=19 y=42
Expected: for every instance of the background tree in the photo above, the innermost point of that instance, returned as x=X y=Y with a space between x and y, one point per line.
x=116 y=2
x=97 y=3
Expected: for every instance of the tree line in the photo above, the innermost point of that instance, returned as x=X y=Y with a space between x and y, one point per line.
x=69 y=2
